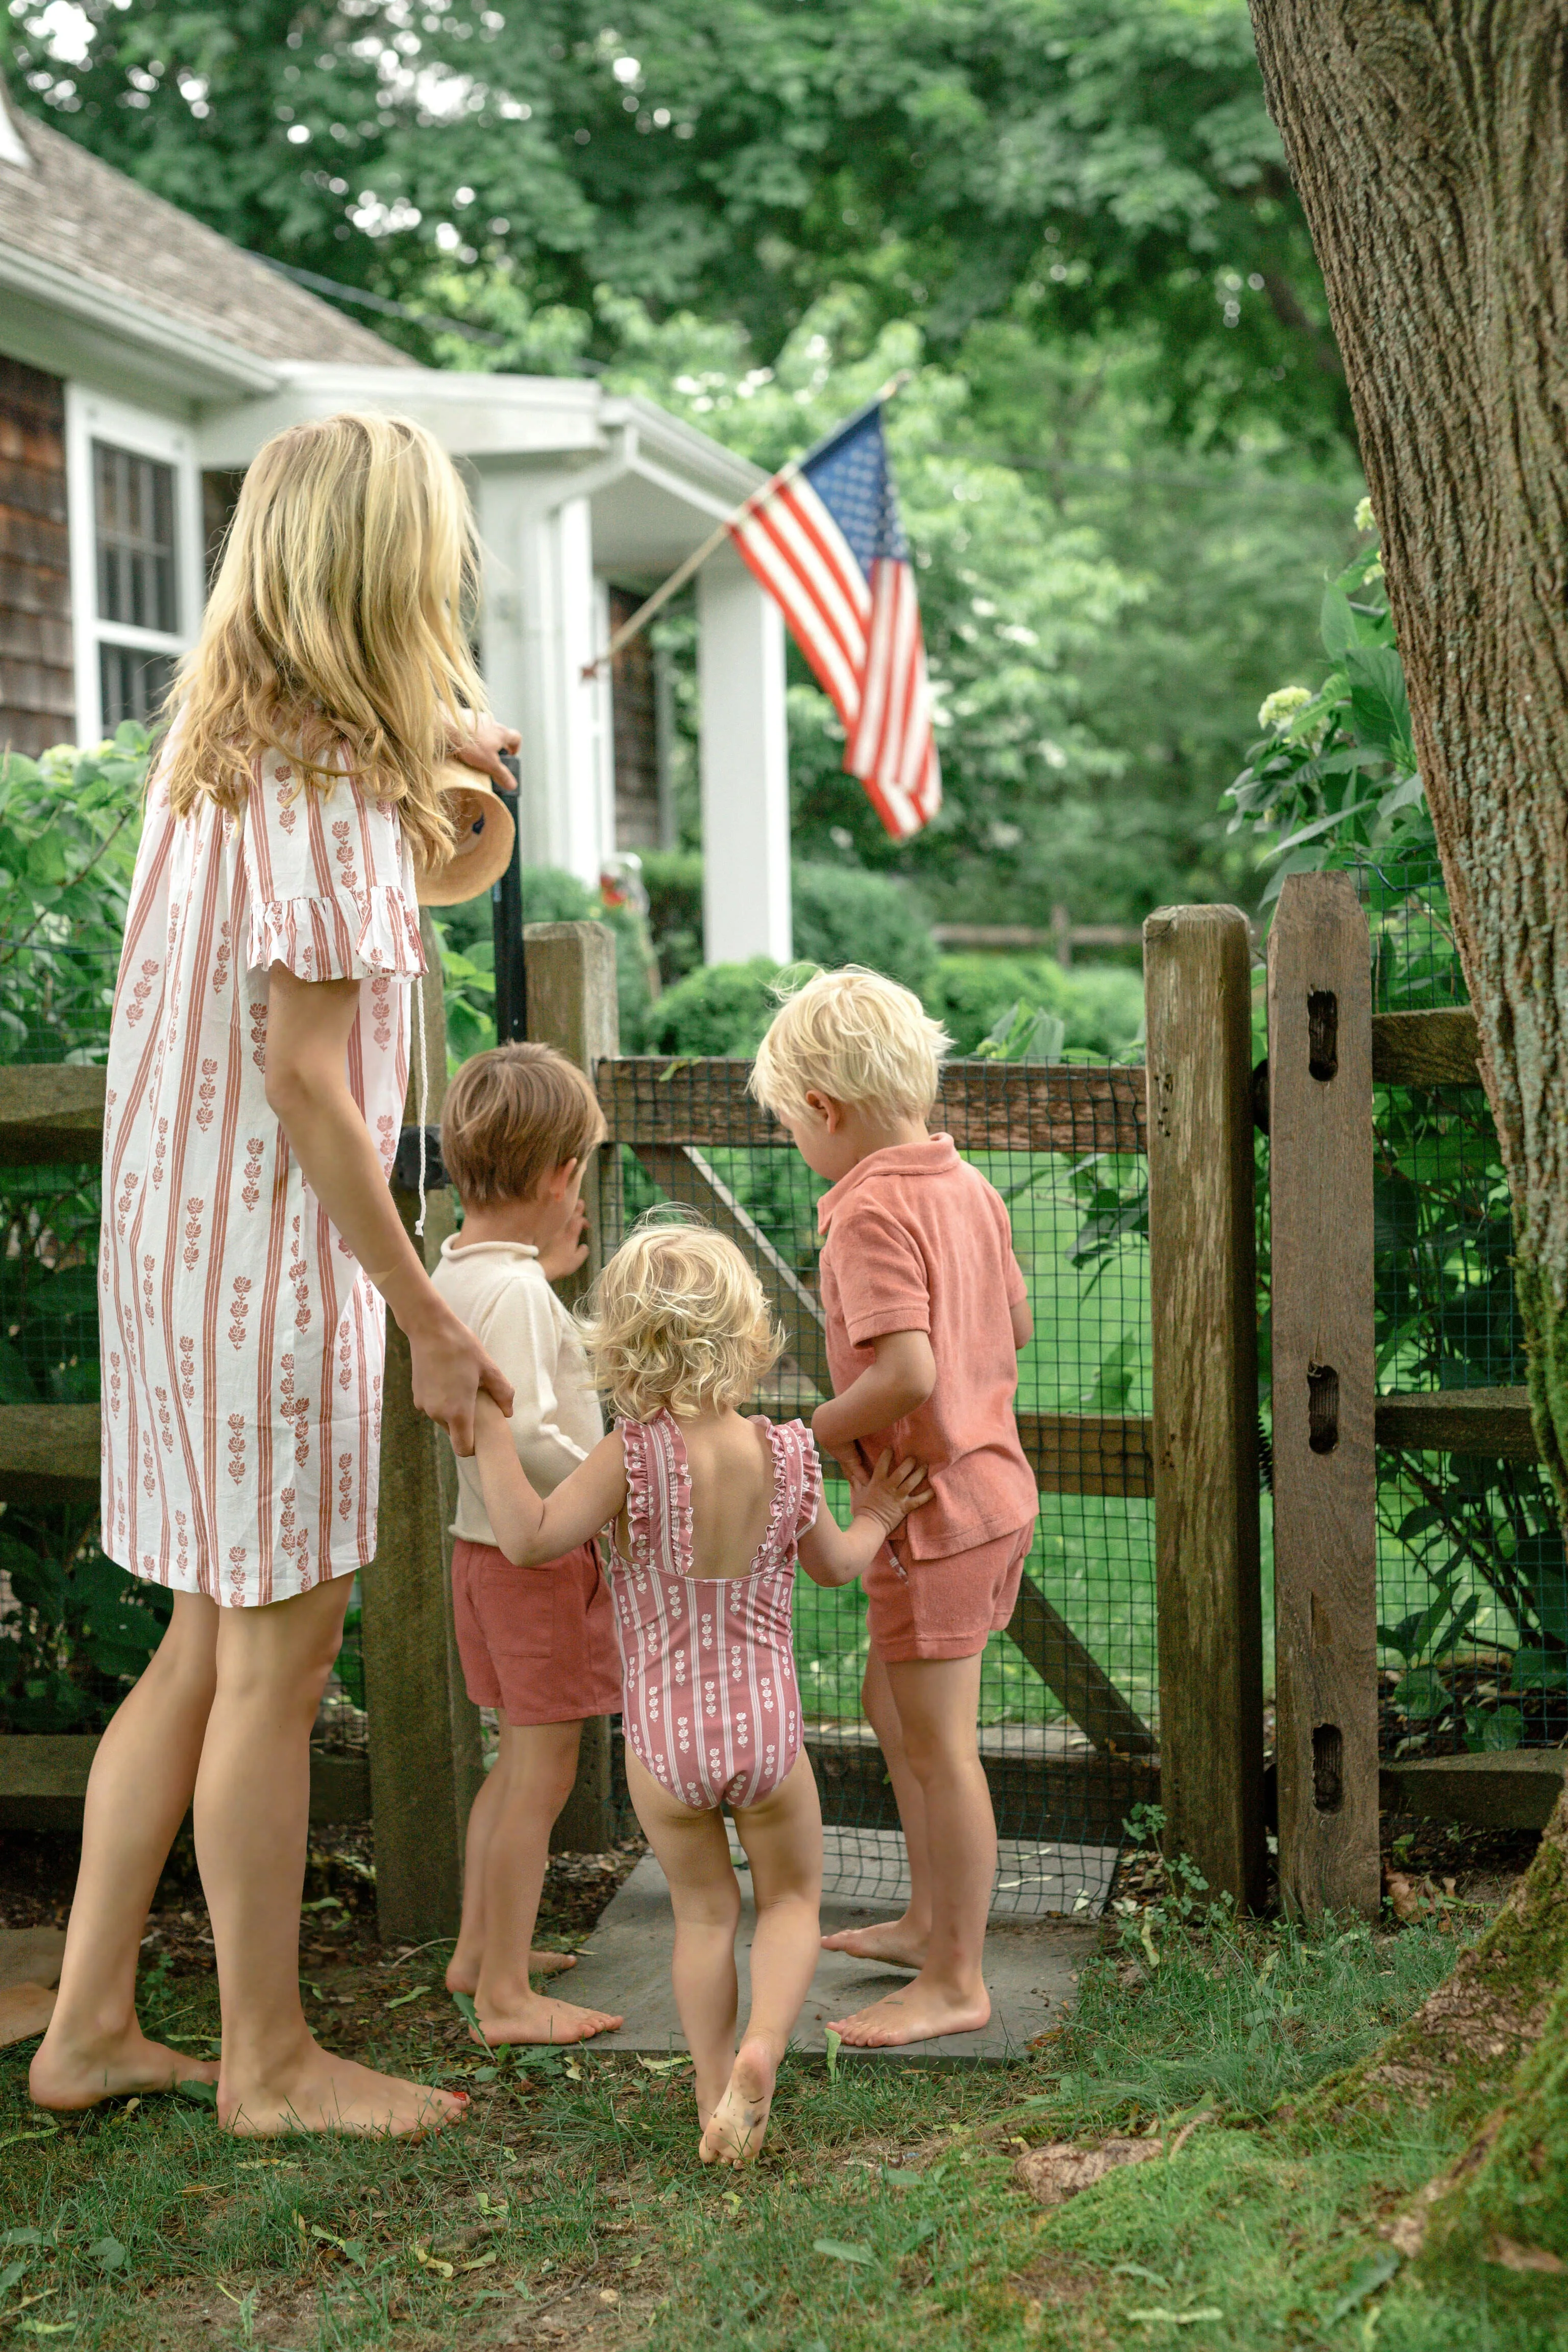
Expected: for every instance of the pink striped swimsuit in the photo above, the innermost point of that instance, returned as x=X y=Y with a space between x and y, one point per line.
x=710 y=1700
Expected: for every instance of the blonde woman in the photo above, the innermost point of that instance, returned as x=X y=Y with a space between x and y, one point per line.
x=709 y=1513
x=257 y=1064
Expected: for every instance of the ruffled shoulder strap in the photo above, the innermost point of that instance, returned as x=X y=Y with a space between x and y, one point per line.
x=797 y=1486
x=659 y=1494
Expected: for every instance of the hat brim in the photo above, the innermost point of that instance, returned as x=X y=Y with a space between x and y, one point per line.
x=486 y=839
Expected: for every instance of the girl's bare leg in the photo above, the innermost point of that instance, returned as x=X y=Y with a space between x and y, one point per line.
x=693 y=1851
x=463 y=1968
x=532 y=1777
x=901 y=1942
x=938 y=1701
x=783 y=1838
x=137 y=1794
x=252 y=1810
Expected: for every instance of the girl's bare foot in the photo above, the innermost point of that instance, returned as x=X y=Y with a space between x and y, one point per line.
x=915 y=2013
x=68 y=2075
x=320 y=2093
x=463 y=1975
x=735 y=2130
x=531 y=2018
x=895 y=1941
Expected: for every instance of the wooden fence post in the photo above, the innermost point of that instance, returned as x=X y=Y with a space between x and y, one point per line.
x=1325 y=1476
x=425 y=1758
x=571 y=1005
x=1202 y=1278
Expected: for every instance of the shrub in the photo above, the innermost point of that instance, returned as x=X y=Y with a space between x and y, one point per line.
x=721 y=1008
x=1101 y=1006
x=844 y=915
x=673 y=880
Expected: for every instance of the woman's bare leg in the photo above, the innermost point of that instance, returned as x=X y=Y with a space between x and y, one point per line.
x=938 y=1701
x=252 y=1811
x=532 y=1777
x=693 y=1851
x=463 y=1968
x=137 y=1794
x=901 y=1942
x=783 y=1838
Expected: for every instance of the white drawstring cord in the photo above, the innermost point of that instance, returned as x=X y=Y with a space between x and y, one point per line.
x=423 y=1051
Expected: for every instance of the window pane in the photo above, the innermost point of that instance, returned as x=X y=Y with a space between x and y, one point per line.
x=132 y=683
x=135 y=501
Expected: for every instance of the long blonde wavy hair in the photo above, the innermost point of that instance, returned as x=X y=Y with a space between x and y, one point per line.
x=336 y=630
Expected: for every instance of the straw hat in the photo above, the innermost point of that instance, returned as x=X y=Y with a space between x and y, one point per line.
x=486 y=837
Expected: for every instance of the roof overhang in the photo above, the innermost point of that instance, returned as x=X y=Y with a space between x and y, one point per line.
x=73 y=325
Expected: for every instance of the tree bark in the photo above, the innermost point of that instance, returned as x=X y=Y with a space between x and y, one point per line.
x=1429 y=141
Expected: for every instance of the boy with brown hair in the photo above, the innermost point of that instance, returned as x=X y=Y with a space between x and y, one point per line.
x=538 y=1643
x=926 y=1311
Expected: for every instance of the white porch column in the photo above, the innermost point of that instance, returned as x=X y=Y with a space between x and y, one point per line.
x=744 y=755
x=540 y=604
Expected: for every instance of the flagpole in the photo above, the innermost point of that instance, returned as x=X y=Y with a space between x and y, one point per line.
x=721 y=531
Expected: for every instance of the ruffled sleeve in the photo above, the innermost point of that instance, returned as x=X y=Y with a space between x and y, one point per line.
x=810 y=1463
x=331 y=881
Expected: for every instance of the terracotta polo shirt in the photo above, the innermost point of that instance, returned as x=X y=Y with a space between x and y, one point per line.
x=916 y=1240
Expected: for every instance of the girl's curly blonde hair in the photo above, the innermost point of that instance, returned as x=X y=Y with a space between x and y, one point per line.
x=337 y=629
x=677 y=1322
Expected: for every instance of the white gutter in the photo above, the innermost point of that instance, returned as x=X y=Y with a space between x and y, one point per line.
x=212 y=367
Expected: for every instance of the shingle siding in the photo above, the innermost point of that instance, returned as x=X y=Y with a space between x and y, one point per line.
x=37 y=693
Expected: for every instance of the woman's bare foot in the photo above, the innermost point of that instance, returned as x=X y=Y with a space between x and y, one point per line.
x=915 y=2013
x=320 y=2093
x=891 y=1940
x=531 y=2018
x=736 y=2129
x=69 y=2074
x=464 y=1977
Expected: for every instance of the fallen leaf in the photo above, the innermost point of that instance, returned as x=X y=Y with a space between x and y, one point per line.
x=427 y=2262
x=663 y=2065
x=609 y=2294
x=405 y=1998
x=1403 y=1900
x=47 y=2131
x=483 y=2262
x=572 y=2071
x=1363 y=2283
x=837 y=2250
x=1512 y=2256
x=1176 y=2318
x=1054 y=2173
x=107 y=2254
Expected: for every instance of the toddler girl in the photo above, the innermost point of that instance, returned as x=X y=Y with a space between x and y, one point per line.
x=708 y=1513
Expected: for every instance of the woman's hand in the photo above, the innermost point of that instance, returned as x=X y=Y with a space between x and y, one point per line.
x=480 y=743
x=450 y=1373
x=890 y=1494
x=569 y=1250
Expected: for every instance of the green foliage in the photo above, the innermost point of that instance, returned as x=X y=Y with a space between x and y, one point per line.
x=843 y=916
x=1101 y=1008
x=467 y=936
x=720 y=1008
x=76 y=1631
x=673 y=880
x=69 y=823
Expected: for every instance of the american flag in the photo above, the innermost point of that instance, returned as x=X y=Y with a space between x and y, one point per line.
x=824 y=540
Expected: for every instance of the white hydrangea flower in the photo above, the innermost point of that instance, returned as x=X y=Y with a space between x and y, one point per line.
x=1363 y=520
x=1279 y=708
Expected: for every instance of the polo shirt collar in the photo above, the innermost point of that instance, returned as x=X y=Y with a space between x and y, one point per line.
x=934 y=1156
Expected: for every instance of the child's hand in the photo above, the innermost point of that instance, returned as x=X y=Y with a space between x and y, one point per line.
x=891 y=1494
x=569 y=1250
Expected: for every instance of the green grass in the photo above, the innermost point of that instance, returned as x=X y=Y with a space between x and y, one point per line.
x=886 y=2211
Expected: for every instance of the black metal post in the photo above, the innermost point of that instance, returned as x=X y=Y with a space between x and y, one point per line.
x=506 y=917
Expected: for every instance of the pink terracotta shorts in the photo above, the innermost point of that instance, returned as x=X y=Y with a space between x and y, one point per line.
x=538 y=1643
x=944 y=1608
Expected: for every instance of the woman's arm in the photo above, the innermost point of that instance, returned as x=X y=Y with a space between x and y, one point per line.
x=528 y=1528
x=834 y=1555
x=309 y=1023
x=898 y=1384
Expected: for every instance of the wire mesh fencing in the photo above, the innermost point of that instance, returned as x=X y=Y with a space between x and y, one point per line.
x=1472 y=1574
x=1069 y=1692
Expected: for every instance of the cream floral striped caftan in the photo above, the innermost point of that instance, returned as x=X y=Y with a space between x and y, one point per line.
x=242 y=1346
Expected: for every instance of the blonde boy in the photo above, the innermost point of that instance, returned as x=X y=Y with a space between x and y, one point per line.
x=926 y=1312
x=538 y=1644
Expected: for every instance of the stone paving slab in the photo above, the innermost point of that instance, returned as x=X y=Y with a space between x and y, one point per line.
x=1031 y=1968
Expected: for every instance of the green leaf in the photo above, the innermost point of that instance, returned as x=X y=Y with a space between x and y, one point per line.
x=1337 y=621
x=1363 y=2283
x=833 y=2044
x=107 y=2254
x=838 y=2250
x=1380 y=705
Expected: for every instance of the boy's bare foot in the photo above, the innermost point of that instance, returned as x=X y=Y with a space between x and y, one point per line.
x=915 y=2013
x=320 y=2093
x=736 y=2129
x=533 y=2019
x=68 y=2076
x=462 y=1976
x=893 y=1941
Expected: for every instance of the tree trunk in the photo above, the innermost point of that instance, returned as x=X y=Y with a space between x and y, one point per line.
x=1429 y=141
x=1429 y=145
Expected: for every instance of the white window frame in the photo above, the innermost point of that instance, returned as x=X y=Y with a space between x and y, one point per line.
x=90 y=416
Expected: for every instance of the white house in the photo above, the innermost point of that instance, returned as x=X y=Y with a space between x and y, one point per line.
x=144 y=359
